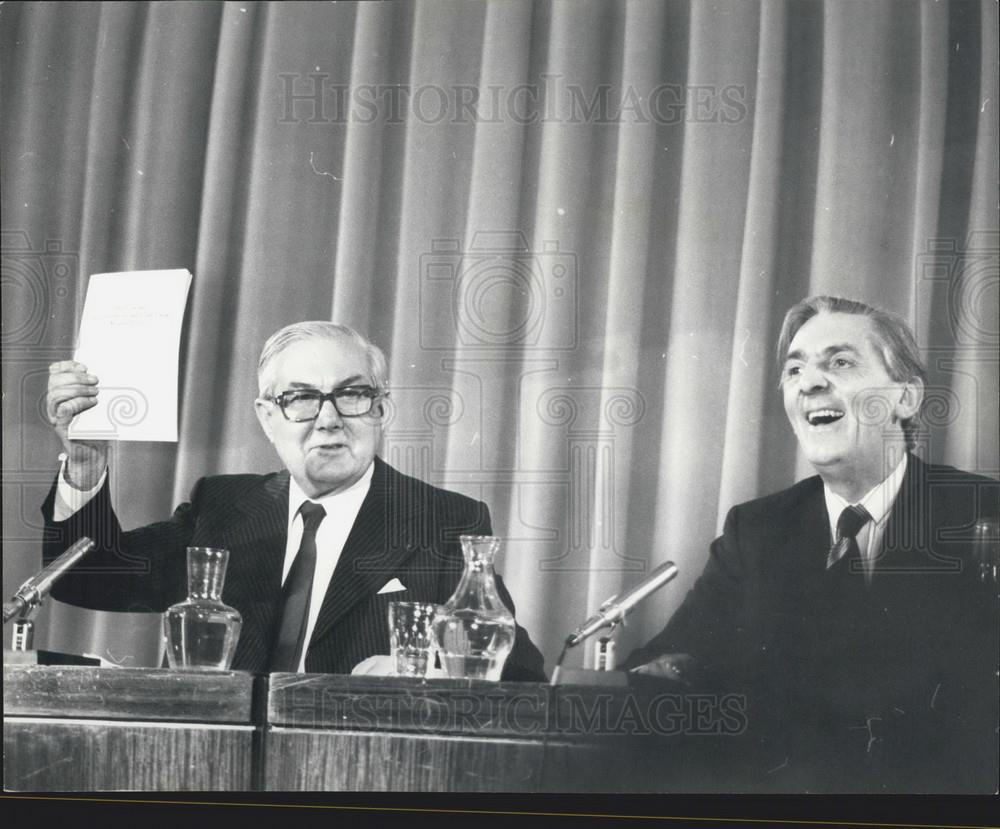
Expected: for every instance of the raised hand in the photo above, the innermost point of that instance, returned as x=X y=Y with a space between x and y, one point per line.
x=72 y=390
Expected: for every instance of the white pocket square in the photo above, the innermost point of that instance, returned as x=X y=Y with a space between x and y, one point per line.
x=393 y=586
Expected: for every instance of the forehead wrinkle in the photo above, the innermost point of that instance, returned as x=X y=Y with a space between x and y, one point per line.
x=350 y=381
x=799 y=354
x=309 y=363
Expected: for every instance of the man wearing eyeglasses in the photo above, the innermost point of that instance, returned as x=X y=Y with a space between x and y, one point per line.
x=370 y=534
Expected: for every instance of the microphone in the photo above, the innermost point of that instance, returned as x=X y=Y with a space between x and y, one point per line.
x=615 y=608
x=31 y=593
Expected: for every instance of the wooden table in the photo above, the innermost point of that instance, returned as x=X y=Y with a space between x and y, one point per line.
x=389 y=734
x=126 y=729
x=120 y=729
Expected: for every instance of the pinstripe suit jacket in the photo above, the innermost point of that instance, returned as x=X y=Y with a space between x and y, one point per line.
x=406 y=529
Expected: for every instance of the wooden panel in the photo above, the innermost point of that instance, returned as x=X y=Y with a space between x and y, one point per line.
x=398 y=734
x=511 y=709
x=99 y=729
x=128 y=693
x=97 y=755
x=387 y=761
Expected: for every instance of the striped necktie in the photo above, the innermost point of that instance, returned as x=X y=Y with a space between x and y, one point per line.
x=851 y=520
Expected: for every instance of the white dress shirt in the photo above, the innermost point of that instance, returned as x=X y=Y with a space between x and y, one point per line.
x=341 y=511
x=68 y=498
x=878 y=501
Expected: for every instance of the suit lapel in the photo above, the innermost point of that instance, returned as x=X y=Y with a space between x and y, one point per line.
x=806 y=540
x=787 y=606
x=908 y=544
x=375 y=548
x=815 y=529
x=803 y=555
x=257 y=540
x=901 y=530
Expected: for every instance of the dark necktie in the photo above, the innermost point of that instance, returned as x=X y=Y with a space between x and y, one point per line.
x=295 y=595
x=845 y=548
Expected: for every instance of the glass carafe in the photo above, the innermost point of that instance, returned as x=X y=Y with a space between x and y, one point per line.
x=474 y=629
x=202 y=632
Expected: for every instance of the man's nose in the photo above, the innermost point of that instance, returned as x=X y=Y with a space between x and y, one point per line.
x=812 y=378
x=328 y=417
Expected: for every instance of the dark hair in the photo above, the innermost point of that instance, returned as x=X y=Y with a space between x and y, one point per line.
x=892 y=339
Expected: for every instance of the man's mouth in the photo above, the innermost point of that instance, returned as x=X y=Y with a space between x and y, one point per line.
x=329 y=447
x=823 y=417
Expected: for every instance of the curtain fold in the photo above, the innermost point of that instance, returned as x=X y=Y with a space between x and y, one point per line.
x=751 y=379
x=613 y=565
x=574 y=227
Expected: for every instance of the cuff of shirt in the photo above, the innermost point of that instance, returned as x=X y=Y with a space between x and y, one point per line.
x=68 y=498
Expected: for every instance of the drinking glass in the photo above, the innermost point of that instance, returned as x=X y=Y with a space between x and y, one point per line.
x=986 y=550
x=410 y=637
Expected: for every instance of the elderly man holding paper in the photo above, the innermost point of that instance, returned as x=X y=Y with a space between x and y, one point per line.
x=375 y=534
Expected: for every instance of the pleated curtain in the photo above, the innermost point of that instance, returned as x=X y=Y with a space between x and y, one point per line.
x=573 y=226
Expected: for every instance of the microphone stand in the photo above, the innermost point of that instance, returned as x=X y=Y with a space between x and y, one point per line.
x=609 y=615
x=592 y=675
x=30 y=595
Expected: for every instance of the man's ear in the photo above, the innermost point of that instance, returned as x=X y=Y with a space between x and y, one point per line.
x=912 y=395
x=265 y=411
x=380 y=410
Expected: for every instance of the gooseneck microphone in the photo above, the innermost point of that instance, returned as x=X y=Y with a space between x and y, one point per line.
x=615 y=608
x=31 y=593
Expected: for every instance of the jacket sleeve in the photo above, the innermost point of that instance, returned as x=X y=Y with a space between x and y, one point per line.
x=136 y=571
x=707 y=624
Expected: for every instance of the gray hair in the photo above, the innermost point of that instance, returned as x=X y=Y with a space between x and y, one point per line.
x=378 y=366
x=892 y=339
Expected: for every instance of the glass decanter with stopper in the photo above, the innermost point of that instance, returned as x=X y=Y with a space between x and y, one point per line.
x=201 y=632
x=474 y=629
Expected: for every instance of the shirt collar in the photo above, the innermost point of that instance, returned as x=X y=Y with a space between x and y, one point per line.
x=878 y=500
x=356 y=492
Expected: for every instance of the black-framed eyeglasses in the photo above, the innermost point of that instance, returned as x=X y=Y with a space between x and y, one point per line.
x=299 y=405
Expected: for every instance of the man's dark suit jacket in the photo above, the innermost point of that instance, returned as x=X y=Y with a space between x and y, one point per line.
x=406 y=529
x=891 y=687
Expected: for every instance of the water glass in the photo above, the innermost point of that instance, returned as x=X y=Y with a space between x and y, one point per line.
x=410 y=637
x=986 y=550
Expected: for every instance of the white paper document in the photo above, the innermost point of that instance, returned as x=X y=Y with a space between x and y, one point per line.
x=130 y=338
